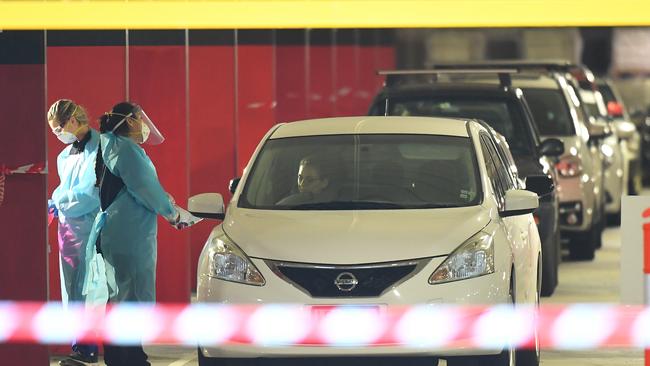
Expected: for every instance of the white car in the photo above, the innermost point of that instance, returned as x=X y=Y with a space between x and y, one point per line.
x=373 y=211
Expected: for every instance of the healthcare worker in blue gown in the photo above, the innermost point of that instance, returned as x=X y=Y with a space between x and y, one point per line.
x=76 y=203
x=126 y=227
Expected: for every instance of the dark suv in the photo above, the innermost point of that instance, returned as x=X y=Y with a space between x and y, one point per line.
x=505 y=109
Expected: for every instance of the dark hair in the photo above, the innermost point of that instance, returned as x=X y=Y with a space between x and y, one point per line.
x=107 y=123
x=327 y=167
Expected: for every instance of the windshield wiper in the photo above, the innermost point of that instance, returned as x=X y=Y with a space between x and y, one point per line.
x=346 y=205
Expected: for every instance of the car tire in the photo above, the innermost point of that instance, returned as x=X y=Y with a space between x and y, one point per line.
x=507 y=357
x=550 y=268
x=635 y=182
x=214 y=361
x=582 y=246
x=602 y=224
x=614 y=219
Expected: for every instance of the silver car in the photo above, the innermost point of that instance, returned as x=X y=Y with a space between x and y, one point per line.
x=629 y=137
x=558 y=113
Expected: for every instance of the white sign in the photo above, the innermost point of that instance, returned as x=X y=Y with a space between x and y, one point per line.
x=632 y=234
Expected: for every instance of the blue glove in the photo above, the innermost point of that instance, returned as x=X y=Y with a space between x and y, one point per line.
x=51 y=209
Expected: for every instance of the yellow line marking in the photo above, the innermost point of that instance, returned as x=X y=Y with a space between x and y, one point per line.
x=278 y=14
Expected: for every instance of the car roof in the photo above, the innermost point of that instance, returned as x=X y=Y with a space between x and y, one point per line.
x=478 y=89
x=373 y=125
x=539 y=81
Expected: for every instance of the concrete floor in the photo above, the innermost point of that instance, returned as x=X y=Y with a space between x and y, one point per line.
x=596 y=281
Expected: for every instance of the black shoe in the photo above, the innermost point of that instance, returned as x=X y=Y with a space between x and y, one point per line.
x=78 y=359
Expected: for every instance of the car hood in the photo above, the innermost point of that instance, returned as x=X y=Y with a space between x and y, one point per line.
x=352 y=237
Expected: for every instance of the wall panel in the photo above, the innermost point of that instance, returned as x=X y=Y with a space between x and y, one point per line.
x=320 y=73
x=255 y=90
x=212 y=124
x=157 y=82
x=88 y=67
x=23 y=274
x=346 y=74
x=291 y=75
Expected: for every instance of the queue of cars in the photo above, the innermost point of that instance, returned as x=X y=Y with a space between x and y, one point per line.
x=460 y=187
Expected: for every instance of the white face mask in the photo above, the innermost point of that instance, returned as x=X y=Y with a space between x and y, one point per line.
x=145 y=133
x=66 y=137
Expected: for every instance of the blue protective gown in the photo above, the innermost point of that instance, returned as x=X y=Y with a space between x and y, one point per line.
x=128 y=227
x=77 y=201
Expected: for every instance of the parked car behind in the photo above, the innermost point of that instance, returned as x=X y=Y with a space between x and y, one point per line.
x=417 y=211
x=628 y=134
x=412 y=93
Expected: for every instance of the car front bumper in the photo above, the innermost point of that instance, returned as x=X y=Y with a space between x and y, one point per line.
x=489 y=289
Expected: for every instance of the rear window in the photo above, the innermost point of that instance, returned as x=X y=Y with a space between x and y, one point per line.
x=502 y=115
x=550 y=110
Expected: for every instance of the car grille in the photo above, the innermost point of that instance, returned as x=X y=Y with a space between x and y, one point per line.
x=320 y=281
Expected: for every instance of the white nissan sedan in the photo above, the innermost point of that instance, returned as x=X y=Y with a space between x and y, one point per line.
x=373 y=212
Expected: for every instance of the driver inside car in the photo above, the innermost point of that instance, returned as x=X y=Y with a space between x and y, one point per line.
x=314 y=182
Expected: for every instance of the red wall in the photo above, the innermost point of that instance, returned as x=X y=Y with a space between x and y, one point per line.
x=23 y=274
x=212 y=124
x=157 y=82
x=291 y=75
x=255 y=91
x=95 y=78
x=213 y=100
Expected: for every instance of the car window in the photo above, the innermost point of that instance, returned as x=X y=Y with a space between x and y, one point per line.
x=606 y=91
x=498 y=187
x=363 y=172
x=502 y=115
x=550 y=111
x=506 y=157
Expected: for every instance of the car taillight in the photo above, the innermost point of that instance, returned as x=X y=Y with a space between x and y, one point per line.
x=536 y=219
x=568 y=168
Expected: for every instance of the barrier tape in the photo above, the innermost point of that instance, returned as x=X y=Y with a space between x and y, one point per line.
x=37 y=168
x=568 y=327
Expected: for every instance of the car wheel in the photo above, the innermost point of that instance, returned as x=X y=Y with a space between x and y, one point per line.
x=506 y=358
x=614 y=219
x=582 y=246
x=550 y=267
x=602 y=224
x=213 y=361
x=531 y=357
x=635 y=184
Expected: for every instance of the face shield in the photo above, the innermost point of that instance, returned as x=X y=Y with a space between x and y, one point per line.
x=153 y=137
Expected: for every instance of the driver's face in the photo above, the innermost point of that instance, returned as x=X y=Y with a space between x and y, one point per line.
x=309 y=180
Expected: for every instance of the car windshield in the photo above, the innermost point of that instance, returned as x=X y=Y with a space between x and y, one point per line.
x=550 y=110
x=607 y=93
x=363 y=172
x=503 y=116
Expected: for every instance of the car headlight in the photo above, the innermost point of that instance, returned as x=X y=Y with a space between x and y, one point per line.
x=473 y=258
x=229 y=263
x=569 y=167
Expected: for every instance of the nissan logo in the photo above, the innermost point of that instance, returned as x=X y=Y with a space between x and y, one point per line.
x=346 y=281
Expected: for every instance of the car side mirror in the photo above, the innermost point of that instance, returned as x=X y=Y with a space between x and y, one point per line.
x=207 y=206
x=598 y=129
x=615 y=109
x=519 y=202
x=232 y=186
x=551 y=147
x=625 y=129
x=540 y=184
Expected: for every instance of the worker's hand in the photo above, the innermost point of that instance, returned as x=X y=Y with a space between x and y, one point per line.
x=52 y=212
x=185 y=219
x=171 y=199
